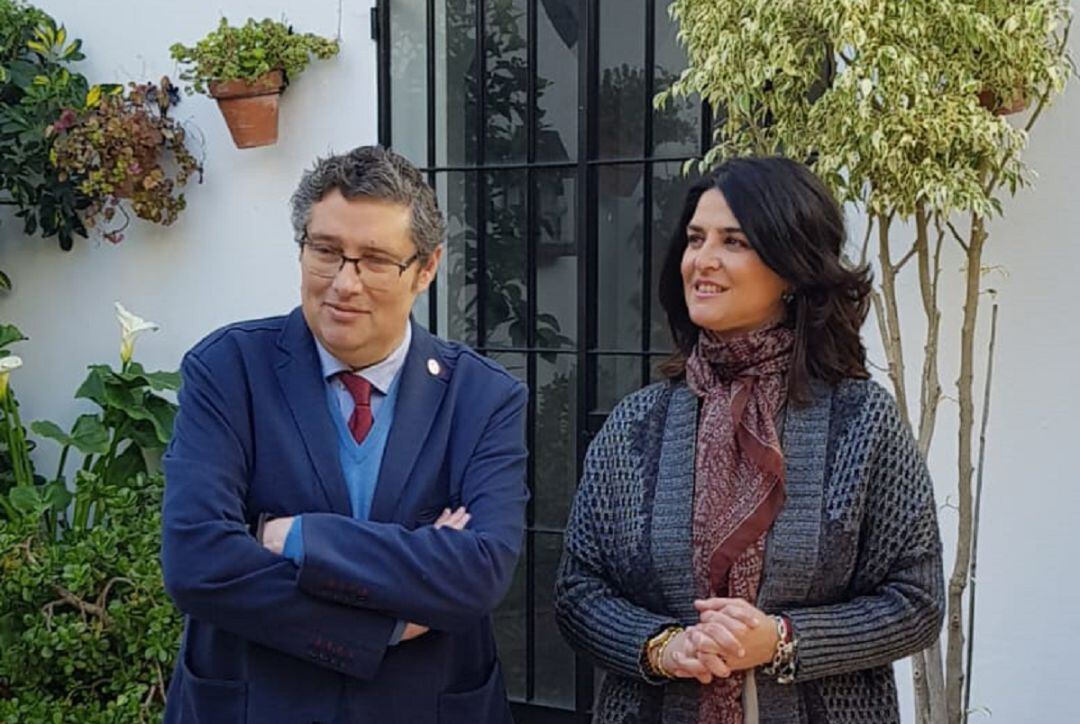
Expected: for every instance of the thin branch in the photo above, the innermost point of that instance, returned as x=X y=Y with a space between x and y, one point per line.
x=103 y=596
x=956 y=235
x=888 y=312
x=937 y=256
x=978 y=505
x=907 y=257
x=84 y=607
x=866 y=240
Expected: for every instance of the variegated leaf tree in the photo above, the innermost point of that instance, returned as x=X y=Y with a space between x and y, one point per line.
x=903 y=108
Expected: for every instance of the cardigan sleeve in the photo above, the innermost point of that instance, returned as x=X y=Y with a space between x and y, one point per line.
x=594 y=617
x=898 y=579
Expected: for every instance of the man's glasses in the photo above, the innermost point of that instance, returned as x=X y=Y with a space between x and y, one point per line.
x=374 y=269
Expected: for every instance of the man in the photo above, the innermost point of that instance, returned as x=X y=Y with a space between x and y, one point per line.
x=344 y=491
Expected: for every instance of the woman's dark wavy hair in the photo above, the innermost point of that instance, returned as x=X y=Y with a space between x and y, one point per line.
x=796 y=227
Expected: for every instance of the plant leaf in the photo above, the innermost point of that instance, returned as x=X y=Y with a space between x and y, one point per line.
x=25 y=499
x=51 y=430
x=90 y=435
x=9 y=333
x=126 y=466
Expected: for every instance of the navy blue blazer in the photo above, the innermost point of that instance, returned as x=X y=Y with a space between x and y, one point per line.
x=266 y=641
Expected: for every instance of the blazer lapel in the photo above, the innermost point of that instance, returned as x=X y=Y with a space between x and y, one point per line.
x=300 y=375
x=791 y=554
x=420 y=392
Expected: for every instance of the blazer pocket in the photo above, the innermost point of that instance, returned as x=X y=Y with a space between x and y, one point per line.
x=212 y=701
x=487 y=704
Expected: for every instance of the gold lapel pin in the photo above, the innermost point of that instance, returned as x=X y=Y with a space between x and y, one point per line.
x=433 y=367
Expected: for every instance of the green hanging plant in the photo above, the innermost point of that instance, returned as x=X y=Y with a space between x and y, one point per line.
x=124 y=147
x=247 y=52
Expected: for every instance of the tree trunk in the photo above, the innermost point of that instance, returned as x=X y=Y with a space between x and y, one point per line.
x=954 y=655
x=927 y=675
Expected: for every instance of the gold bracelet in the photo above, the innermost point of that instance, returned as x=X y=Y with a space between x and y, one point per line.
x=655 y=648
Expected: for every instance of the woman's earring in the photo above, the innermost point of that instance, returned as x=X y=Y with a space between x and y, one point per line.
x=787 y=297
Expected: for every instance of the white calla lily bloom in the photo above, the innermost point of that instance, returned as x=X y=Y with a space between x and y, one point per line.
x=130 y=327
x=7 y=364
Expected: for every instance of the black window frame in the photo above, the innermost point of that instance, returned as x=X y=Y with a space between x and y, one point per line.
x=585 y=167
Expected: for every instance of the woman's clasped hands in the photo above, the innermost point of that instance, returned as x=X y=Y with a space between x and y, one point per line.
x=731 y=635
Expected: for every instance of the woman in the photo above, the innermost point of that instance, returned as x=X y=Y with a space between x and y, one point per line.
x=755 y=539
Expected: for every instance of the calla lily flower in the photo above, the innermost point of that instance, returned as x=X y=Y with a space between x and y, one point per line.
x=7 y=364
x=130 y=327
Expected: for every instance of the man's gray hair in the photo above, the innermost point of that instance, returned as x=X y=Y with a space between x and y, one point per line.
x=378 y=173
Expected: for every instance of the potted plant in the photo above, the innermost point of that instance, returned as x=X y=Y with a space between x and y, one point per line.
x=245 y=69
x=124 y=147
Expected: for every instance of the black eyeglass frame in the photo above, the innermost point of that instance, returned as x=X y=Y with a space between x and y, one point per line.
x=355 y=260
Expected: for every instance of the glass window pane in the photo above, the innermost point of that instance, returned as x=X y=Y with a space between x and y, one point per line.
x=506 y=281
x=669 y=192
x=554 y=659
x=456 y=288
x=616 y=377
x=456 y=85
x=619 y=257
x=506 y=80
x=558 y=27
x=513 y=362
x=620 y=118
x=676 y=126
x=554 y=448
x=408 y=81
x=655 y=375
x=510 y=626
x=556 y=259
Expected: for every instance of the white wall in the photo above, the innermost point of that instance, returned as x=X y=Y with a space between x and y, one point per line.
x=1028 y=601
x=230 y=257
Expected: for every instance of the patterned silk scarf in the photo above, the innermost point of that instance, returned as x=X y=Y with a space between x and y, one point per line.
x=738 y=475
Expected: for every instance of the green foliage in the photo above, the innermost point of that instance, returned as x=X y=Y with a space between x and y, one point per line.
x=135 y=423
x=125 y=146
x=882 y=97
x=248 y=51
x=87 y=633
x=36 y=86
x=15 y=468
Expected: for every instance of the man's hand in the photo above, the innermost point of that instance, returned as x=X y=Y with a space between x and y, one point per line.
x=274 y=533
x=276 y=530
x=456 y=519
x=412 y=630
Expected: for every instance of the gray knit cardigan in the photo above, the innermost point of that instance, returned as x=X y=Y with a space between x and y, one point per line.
x=854 y=558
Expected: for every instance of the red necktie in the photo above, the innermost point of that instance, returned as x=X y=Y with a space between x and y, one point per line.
x=360 y=389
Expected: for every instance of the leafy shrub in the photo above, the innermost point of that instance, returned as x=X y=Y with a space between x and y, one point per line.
x=36 y=86
x=87 y=633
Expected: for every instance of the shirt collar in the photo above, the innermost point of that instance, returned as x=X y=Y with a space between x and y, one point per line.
x=381 y=374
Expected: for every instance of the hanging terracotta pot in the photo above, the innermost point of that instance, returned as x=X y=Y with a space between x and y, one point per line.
x=251 y=108
x=992 y=102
